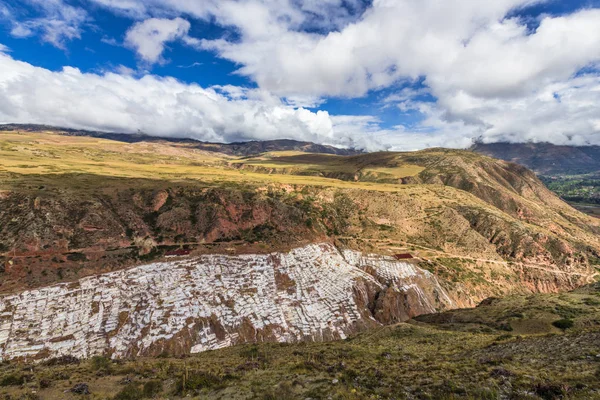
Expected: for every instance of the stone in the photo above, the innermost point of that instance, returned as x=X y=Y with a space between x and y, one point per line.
x=80 y=388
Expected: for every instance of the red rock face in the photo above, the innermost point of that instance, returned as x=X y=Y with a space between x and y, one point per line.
x=64 y=237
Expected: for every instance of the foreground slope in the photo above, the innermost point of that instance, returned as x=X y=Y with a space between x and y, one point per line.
x=520 y=347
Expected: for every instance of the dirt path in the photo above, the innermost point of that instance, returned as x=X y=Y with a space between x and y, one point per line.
x=543 y=267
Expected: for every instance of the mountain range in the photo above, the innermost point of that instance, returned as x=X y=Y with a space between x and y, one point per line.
x=546 y=159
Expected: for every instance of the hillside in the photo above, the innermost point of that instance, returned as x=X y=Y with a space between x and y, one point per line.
x=237 y=149
x=276 y=245
x=545 y=158
x=521 y=347
x=571 y=172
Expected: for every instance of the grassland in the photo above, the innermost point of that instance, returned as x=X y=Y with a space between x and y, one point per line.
x=36 y=155
x=513 y=348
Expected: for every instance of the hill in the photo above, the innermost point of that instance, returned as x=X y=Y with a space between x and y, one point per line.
x=571 y=172
x=546 y=159
x=281 y=246
x=238 y=149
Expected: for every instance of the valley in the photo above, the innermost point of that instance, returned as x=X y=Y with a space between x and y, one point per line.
x=572 y=172
x=149 y=250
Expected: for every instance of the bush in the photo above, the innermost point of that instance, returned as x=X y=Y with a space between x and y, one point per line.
x=100 y=363
x=152 y=388
x=129 y=392
x=13 y=380
x=45 y=383
x=62 y=360
x=196 y=381
x=564 y=323
x=550 y=390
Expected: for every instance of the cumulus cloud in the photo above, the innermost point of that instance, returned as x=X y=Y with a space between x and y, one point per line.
x=57 y=22
x=456 y=45
x=489 y=74
x=154 y=105
x=565 y=112
x=149 y=37
x=474 y=69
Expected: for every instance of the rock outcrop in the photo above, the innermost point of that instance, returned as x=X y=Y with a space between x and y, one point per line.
x=191 y=305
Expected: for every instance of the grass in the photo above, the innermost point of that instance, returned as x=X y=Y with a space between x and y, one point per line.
x=402 y=171
x=466 y=354
x=36 y=155
x=361 y=168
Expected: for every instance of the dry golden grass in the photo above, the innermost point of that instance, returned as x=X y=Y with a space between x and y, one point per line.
x=35 y=154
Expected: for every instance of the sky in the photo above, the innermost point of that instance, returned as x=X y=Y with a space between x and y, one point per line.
x=370 y=74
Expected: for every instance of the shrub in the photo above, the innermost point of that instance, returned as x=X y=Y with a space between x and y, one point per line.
x=550 y=390
x=129 y=392
x=564 y=323
x=196 y=381
x=102 y=365
x=13 y=380
x=152 y=388
x=45 y=383
x=506 y=336
x=62 y=360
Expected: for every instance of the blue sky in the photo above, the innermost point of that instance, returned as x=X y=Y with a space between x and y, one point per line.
x=395 y=74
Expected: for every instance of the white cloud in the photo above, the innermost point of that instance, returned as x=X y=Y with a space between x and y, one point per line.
x=157 y=106
x=489 y=73
x=149 y=37
x=126 y=102
x=57 y=22
x=124 y=70
x=192 y=65
x=457 y=45
x=491 y=76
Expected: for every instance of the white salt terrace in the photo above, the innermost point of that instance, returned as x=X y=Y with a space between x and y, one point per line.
x=213 y=297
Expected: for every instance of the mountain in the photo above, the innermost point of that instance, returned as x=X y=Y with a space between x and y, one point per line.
x=571 y=172
x=545 y=158
x=237 y=149
x=139 y=249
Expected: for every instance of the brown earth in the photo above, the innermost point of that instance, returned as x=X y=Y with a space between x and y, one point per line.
x=483 y=226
